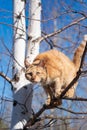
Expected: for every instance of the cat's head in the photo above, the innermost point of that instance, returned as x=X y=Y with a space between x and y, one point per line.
x=35 y=72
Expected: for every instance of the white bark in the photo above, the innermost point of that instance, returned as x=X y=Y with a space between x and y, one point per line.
x=22 y=88
x=19 y=34
x=34 y=30
x=19 y=55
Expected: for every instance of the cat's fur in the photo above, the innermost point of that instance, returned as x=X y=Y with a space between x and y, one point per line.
x=54 y=71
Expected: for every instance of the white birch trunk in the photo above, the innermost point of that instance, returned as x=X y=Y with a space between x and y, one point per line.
x=19 y=56
x=22 y=88
x=34 y=30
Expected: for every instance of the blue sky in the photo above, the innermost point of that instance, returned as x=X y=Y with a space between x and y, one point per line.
x=6 y=19
x=49 y=7
x=6 y=36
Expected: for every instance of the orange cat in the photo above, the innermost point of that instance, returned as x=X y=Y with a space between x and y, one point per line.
x=54 y=71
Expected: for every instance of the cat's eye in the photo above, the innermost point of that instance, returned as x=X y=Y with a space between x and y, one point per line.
x=30 y=73
x=38 y=73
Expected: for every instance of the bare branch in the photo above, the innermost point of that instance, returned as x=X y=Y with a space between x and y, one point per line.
x=62 y=118
x=35 y=118
x=60 y=30
x=75 y=99
x=70 y=111
x=5 y=77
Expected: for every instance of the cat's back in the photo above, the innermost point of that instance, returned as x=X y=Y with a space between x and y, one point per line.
x=51 y=54
x=54 y=56
x=56 y=59
x=57 y=64
x=47 y=54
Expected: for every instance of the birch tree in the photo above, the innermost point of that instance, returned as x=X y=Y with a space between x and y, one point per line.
x=21 y=87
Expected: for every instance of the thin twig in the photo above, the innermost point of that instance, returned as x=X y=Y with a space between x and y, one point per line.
x=70 y=111
x=5 y=77
x=63 y=118
x=60 y=30
x=75 y=99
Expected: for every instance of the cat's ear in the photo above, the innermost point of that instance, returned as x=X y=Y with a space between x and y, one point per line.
x=36 y=62
x=41 y=63
x=26 y=63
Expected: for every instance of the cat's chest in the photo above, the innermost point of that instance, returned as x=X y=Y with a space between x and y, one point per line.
x=48 y=81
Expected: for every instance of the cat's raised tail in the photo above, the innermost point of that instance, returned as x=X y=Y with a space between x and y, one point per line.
x=78 y=55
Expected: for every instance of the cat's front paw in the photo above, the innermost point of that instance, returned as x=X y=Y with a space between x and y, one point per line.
x=57 y=94
x=48 y=101
x=57 y=102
